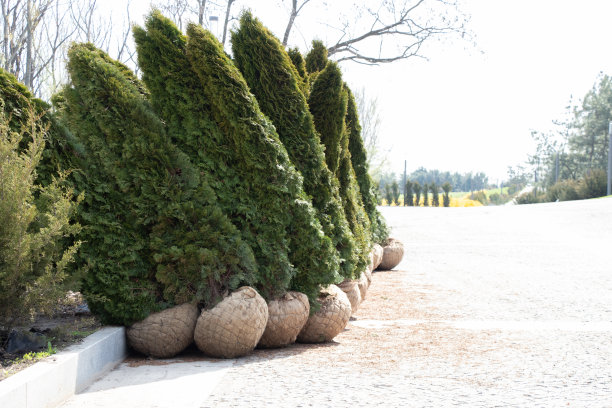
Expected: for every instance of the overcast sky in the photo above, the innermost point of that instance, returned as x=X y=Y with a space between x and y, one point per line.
x=471 y=108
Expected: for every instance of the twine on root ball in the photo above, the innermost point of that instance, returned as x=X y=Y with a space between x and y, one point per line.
x=393 y=253
x=331 y=318
x=286 y=317
x=164 y=334
x=233 y=327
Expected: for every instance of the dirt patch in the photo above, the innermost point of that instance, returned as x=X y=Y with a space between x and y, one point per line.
x=69 y=325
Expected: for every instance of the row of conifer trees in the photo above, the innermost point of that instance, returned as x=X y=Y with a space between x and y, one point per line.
x=210 y=173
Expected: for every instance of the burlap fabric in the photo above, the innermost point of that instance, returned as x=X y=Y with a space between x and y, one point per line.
x=164 y=334
x=363 y=283
x=286 y=317
x=393 y=253
x=351 y=288
x=233 y=327
x=378 y=256
x=330 y=319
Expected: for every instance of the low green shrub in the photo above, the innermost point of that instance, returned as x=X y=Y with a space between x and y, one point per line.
x=594 y=184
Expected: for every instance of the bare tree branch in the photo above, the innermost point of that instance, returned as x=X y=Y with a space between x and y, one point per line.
x=295 y=10
x=227 y=14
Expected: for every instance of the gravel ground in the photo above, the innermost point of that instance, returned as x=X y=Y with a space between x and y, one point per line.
x=491 y=306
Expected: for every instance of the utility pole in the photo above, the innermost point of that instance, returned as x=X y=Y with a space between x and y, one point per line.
x=404 y=188
x=610 y=158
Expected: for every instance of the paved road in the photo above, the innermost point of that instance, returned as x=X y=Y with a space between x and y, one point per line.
x=501 y=306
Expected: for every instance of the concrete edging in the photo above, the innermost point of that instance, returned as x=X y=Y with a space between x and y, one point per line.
x=48 y=383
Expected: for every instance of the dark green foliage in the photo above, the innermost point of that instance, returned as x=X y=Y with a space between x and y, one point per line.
x=446 y=187
x=275 y=184
x=425 y=195
x=408 y=198
x=298 y=62
x=179 y=97
x=416 y=187
x=395 y=191
x=435 y=195
x=60 y=149
x=316 y=59
x=268 y=71
x=359 y=161
x=328 y=103
x=154 y=235
x=388 y=194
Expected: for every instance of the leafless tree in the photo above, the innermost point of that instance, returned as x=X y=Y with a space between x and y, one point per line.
x=384 y=31
x=370 y=122
x=296 y=8
x=227 y=16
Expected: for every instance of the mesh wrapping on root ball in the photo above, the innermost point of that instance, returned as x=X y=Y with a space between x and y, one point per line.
x=351 y=288
x=393 y=253
x=164 y=334
x=378 y=252
x=286 y=317
x=233 y=327
x=330 y=319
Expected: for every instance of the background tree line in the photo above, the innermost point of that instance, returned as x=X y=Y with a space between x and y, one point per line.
x=459 y=181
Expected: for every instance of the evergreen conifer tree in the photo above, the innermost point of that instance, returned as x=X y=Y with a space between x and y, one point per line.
x=179 y=98
x=388 y=194
x=416 y=186
x=328 y=103
x=435 y=195
x=408 y=198
x=316 y=59
x=268 y=71
x=425 y=195
x=360 y=165
x=154 y=236
x=265 y=166
x=446 y=187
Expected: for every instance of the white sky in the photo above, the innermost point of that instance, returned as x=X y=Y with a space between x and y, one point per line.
x=472 y=108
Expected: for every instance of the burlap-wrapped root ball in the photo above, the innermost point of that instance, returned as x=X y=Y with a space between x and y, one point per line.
x=330 y=319
x=363 y=283
x=378 y=252
x=286 y=317
x=233 y=327
x=393 y=252
x=351 y=288
x=164 y=334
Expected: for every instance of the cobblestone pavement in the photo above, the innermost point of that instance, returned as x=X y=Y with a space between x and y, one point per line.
x=491 y=307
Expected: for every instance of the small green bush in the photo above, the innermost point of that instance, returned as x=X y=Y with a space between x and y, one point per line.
x=594 y=184
x=36 y=222
x=480 y=196
x=154 y=235
x=565 y=190
x=265 y=166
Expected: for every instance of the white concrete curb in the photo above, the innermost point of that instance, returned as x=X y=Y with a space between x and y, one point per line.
x=49 y=383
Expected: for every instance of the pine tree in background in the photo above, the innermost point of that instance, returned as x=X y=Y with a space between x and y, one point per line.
x=425 y=195
x=395 y=192
x=328 y=104
x=268 y=71
x=446 y=187
x=154 y=236
x=179 y=98
x=359 y=162
x=276 y=184
x=388 y=194
x=416 y=186
x=408 y=198
x=435 y=196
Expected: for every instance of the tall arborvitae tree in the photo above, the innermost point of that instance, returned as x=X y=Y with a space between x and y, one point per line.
x=446 y=187
x=425 y=195
x=316 y=59
x=275 y=184
x=408 y=197
x=61 y=149
x=298 y=62
x=179 y=98
x=416 y=186
x=328 y=103
x=154 y=236
x=435 y=195
x=275 y=83
x=359 y=161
